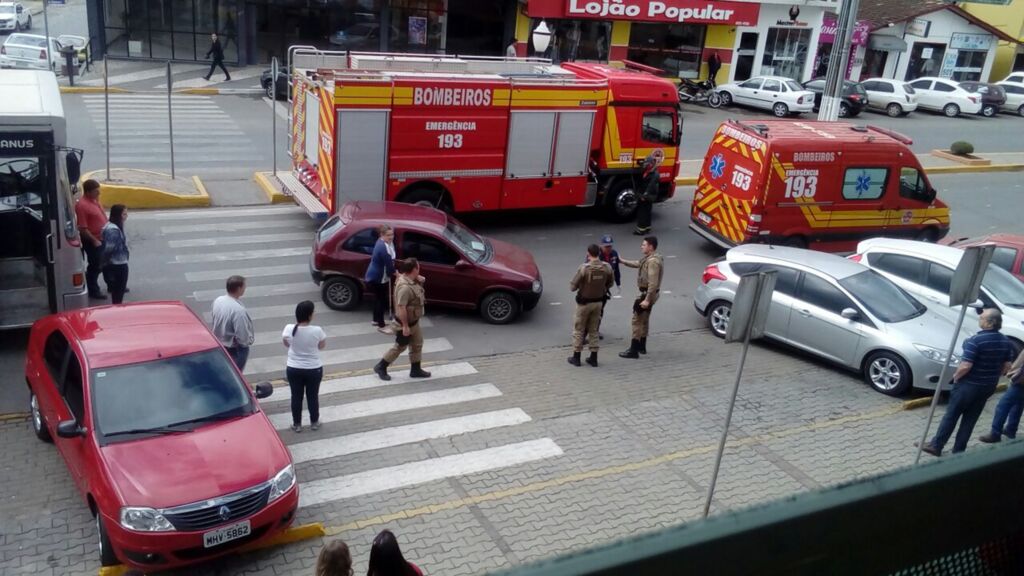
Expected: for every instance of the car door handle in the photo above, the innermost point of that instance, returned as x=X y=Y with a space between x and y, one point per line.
x=805 y=313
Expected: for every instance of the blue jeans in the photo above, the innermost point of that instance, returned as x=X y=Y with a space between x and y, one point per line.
x=240 y=354
x=1008 y=411
x=966 y=402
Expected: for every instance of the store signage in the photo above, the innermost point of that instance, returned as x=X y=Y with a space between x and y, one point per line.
x=830 y=27
x=919 y=27
x=959 y=41
x=688 y=11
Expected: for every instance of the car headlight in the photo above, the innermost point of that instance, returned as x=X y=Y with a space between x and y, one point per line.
x=537 y=286
x=281 y=483
x=936 y=355
x=144 y=520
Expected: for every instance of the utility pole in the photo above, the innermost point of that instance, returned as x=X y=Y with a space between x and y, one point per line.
x=840 y=56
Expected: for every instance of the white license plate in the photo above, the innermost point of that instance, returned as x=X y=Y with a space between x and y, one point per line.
x=704 y=218
x=226 y=534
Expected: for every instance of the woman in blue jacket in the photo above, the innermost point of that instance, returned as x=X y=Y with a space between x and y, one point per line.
x=378 y=275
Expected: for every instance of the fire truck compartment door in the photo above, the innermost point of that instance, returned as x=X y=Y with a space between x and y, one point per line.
x=572 y=148
x=529 y=145
x=362 y=154
x=312 y=147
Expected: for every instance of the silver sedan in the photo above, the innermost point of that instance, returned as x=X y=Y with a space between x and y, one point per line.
x=837 y=309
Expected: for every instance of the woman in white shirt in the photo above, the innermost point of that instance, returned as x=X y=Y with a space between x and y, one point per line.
x=304 y=370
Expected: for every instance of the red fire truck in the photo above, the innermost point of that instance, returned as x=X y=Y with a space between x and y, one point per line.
x=470 y=134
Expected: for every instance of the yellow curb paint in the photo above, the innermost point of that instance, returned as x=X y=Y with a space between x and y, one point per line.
x=90 y=90
x=14 y=416
x=273 y=194
x=686 y=181
x=200 y=91
x=927 y=400
x=201 y=188
x=604 y=472
x=146 y=197
x=293 y=534
x=113 y=570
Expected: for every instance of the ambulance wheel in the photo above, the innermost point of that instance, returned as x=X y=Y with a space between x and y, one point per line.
x=951 y=110
x=988 y=111
x=928 y=235
x=427 y=197
x=894 y=110
x=780 y=110
x=620 y=204
x=718 y=316
x=887 y=373
x=725 y=97
x=340 y=293
x=499 y=308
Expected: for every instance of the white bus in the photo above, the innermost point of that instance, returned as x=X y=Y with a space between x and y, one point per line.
x=42 y=269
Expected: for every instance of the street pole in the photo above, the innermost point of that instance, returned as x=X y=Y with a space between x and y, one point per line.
x=840 y=56
x=106 y=112
x=46 y=27
x=170 y=120
x=273 y=110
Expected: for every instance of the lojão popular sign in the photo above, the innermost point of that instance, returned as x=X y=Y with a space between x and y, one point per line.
x=686 y=11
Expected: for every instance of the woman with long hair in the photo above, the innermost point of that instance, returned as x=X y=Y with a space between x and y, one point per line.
x=386 y=558
x=115 y=253
x=379 y=273
x=305 y=370
x=334 y=560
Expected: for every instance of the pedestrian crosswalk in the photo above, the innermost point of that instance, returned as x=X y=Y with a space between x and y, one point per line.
x=376 y=436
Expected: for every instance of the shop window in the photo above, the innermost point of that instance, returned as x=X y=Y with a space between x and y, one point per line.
x=925 y=60
x=864 y=183
x=674 y=48
x=657 y=128
x=785 y=52
x=1018 y=62
x=418 y=26
x=745 y=53
x=573 y=40
x=969 y=64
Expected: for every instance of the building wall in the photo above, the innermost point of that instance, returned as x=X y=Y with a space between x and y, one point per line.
x=944 y=25
x=1009 y=19
x=777 y=16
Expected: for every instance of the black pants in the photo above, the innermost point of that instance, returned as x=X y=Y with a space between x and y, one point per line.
x=643 y=216
x=380 y=301
x=305 y=381
x=116 y=277
x=92 y=270
x=214 y=65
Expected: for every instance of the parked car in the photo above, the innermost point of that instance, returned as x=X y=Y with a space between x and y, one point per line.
x=359 y=36
x=281 y=88
x=463 y=270
x=783 y=96
x=164 y=440
x=836 y=309
x=895 y=97
x=29 y=51
x=1009 y=252
x=992 y=96
x=926 y=270
x=946 y=96
x=14 y=17
x=1014 y=97
x=854 y=97
x=1016 y=78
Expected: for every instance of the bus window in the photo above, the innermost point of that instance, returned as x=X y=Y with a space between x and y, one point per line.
x=66 y=197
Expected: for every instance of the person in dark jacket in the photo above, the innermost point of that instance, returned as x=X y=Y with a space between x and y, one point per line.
x=714 y=65
x=218 y=58
x=648 y=192
x=379 y=274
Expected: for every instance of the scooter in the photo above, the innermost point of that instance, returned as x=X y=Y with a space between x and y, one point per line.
x=699 y=92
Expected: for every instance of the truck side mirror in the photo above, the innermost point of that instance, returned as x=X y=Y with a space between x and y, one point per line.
x=74 y=164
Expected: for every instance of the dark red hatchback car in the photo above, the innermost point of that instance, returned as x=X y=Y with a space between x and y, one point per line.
x=463 y=270
x=163 y=438
x=1009 y=253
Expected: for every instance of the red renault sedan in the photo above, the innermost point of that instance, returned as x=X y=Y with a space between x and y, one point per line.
x=463 y=270
x=163 y=438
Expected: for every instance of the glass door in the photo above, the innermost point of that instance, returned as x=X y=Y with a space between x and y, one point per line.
x=745 y=54
x=785 y=52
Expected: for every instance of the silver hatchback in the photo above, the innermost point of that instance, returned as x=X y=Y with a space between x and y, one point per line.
x=837 y=309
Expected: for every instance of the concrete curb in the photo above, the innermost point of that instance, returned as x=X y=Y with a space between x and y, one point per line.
x=273 y=194
x=90 y=90
x=14 y=416
x=692 y=180
x=927 y=400
x=191 y=91
x=147 y=197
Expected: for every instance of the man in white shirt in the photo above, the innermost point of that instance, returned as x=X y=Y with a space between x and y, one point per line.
x=232 y=324
x=510 y=51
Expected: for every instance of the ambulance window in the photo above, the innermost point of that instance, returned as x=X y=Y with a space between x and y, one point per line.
x=658 y=127
x=905 y=267
x=913 y=185
x=772 y=85
x=427 y=249
x=818 y=292
x=864 y=183
x=362 y=241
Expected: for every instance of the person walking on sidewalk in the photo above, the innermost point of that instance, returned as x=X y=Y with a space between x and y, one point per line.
x=217 y=51
x=334 y=560
x=648 y=281
x=115 y=254
x=91 y=220
x=986 y=356
x=409 y=300
x=1006 y=420
x=379 y=273
x=649 y=182
x=304 y=368
x=386 y=558
x=591 y=284
x=231 y=322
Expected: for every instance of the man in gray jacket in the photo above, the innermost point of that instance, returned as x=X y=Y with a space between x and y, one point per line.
x=232 y=324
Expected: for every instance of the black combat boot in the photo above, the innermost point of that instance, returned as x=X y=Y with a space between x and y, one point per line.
x=418 y=372
x=634 y=345
x=382 y=370
x=592 y=359
x=574 y=359
x=643 y=346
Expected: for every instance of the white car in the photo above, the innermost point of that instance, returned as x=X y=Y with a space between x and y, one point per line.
x=1014 y=97
x=1016 y=78
x=895 y=97
x=783 y=96
x=29 y=51
x=946 y=96
x=14 y=17
x=926 y=270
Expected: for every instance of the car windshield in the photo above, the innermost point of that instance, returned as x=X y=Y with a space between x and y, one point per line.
x=473 y=246
x=7 y=9
x=169 y=394
x=885 y=300
x=793 y=86
x=1003 y=286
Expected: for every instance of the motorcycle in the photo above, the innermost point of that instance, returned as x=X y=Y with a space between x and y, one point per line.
x=699 y=92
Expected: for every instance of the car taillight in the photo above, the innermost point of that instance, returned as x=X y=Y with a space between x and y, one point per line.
x=712 y=272
x=856 y=257
x=854 y=98
x=77 y=279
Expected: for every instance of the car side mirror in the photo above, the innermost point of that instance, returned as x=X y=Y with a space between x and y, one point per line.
x=74 y=165
x=463 y=266
x=70 y=429
x=850 y=314
x=264 y=390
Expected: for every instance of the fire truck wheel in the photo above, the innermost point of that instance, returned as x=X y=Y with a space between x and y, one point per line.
x=499 y=308
x=887 y=373
x=340 y=293
x=427 y=197
x=620 y=204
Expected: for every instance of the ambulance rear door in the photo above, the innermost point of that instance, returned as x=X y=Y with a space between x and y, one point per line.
x=729 y=188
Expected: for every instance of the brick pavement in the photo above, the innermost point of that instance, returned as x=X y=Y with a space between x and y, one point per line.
x=638 y=439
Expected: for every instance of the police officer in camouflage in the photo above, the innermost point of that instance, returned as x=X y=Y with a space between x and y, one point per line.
x=591 y=283
x=648 y=281
x=409 y=301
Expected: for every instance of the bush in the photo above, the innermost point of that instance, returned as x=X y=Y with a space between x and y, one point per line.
x=961 y=148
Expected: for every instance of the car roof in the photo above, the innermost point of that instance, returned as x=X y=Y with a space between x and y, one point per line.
x=829 y=264
x=394 y=213
x=937 y=252
x=813 y=135
x=137 y=332
x=1001 y=238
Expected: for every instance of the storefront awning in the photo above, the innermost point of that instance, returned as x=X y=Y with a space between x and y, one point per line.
x=887 y=43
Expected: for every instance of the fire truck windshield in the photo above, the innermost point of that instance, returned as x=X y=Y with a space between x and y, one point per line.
x=474 y=247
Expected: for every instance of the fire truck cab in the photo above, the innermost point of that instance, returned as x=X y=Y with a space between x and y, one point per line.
x=472 y=134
